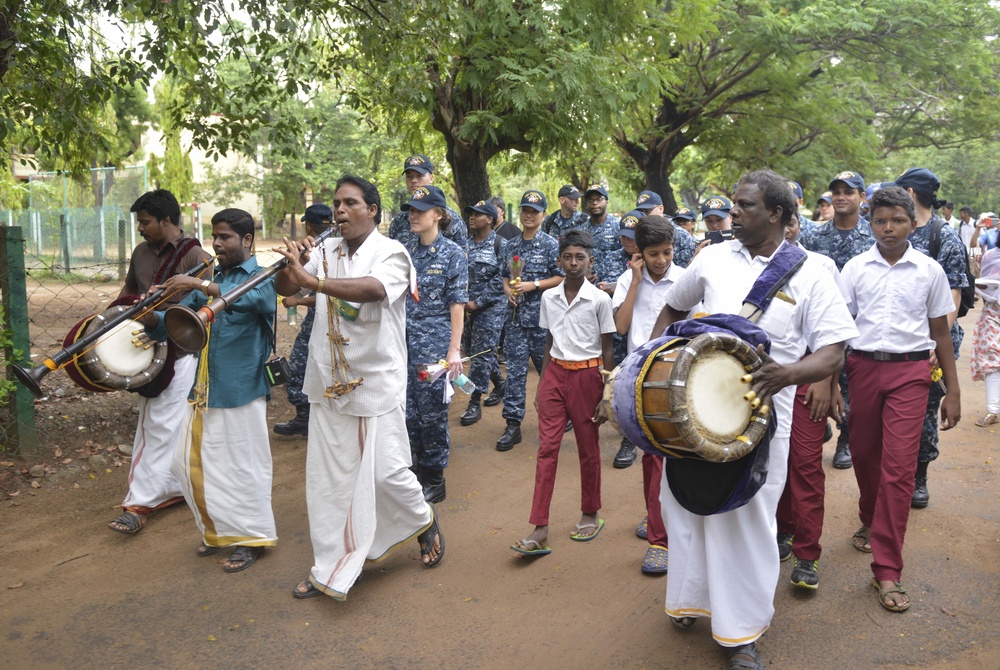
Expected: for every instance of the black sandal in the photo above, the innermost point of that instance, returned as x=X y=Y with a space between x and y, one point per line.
x=205 y=550
x=310 y=592
x=133 y=523
x=426 y=540
x=246 y=556
x=751 y=660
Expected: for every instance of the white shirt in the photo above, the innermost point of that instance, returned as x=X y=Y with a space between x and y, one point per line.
x=576 y=327
x=648 y=303
x=893 y=303
x=376 y=350
x=721 y=275
x=965 y=231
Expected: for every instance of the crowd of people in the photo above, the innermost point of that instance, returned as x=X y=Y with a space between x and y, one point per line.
x=859 y=324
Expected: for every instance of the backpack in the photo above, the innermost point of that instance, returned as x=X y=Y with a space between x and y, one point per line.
x=968 y=300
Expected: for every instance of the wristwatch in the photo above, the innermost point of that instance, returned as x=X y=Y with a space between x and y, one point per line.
x=537 y=284
x=204 y=286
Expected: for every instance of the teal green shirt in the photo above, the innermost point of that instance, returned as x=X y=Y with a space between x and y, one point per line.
x=240 y=340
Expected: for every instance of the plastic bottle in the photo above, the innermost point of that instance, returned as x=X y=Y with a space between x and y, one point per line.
x=464 y=384
x=293 y=315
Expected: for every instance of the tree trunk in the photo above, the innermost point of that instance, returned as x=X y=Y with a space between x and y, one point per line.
x=468 y=165
x=657 y=170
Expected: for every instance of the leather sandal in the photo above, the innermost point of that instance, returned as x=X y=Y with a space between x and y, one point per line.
x=245 y=556
x=882 y=593
x=861 y=540
x=988 y=420
x=131 y=521
x=426 y=540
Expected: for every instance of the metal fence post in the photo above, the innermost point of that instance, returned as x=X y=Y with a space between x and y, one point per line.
x=15 y=304
x=122 y=262
x=64 y=242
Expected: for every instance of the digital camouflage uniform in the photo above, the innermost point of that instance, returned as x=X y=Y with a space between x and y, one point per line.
x=442 y=277
x=399 y=229
x=826 y=239
x=297 y=361
x=951 y=257
x=486 y=290
x=606 y=241
x=523 y=339
x=555 y=225
x=684 y=247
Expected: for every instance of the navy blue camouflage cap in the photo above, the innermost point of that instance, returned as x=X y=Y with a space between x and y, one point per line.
x=796 y=188
x=483 y=207
x=418 y=162
x=920 y=180
x=648 y=200
x=684 y=214
x=425 y=198
x=717 y=205
x=570 y=191
x=318 y=215
x=852 y=179
x=535 y=200
x=599 y=190
x=827 y=197
x=872 y=190
x=626 y=227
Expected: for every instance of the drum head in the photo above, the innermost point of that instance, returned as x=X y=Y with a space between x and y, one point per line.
x=114 y=362
x=118 y=353
x=715 y=396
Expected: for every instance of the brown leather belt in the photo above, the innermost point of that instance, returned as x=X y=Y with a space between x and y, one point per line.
x=579 y=365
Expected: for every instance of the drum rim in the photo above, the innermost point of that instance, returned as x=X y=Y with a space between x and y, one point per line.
x=78 y=371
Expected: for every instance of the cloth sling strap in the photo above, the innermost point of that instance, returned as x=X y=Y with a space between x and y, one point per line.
x=706 y=488
x=167 y=270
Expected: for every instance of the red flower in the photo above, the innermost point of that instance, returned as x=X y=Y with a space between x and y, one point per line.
x=517 y=259
x=423 y=375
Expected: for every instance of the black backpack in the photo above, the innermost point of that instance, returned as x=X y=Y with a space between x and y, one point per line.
x=968 y=300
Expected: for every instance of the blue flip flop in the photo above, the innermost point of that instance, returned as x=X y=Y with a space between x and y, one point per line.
x=537 y=550
x=576 y=535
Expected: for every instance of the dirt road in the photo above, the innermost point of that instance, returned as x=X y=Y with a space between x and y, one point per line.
x=75 y=595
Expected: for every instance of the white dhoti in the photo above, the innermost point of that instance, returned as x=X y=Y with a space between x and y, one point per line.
x=726 y=565
x=151 y=483
x=223 y=462
x=362 y=498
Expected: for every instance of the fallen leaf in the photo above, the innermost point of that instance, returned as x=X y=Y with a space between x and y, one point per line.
x=57 y=452
x=15 y=586
x=76 y=486
x=67 y=461
x=6 y=464
x=14 y=493
x=35 y=484
x=211 y=638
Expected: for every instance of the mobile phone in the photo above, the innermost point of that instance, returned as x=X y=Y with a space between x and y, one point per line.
x=718 y=236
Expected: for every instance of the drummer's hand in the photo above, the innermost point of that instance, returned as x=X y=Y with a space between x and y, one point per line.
x=600 y=413
x=771 y=377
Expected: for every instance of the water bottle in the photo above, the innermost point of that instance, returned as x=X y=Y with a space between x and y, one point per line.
x=292 y=315
x=464 y=384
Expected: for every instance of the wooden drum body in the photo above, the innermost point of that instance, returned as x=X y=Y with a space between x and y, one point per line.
x=689 y=398
x=124 y=358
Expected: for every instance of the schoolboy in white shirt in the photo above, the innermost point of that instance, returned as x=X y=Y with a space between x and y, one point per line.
x=900 y=299
x=638 y=300
x=580 y=326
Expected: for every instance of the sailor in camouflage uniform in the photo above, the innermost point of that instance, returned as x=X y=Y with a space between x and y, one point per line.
x=318 y=217
x=651 y=204
x=568 y=216
x=434 y=321
x=922 y=185
x=523 y=338
x=418 y=171
x=487 y=304
x=843 y=238
x=683 y=219
x=603 y=227
x=805 y=224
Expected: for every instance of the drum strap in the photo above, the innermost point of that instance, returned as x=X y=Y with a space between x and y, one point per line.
x=785 y=262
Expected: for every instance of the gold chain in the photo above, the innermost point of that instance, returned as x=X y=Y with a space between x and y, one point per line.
x=340 y=368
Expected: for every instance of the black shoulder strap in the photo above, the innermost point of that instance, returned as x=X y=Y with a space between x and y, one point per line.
x=496 y=245
x=935 y=237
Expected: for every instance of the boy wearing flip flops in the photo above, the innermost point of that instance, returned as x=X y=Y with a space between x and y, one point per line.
x=639 y=297
x=580 y=325
x=901 y=300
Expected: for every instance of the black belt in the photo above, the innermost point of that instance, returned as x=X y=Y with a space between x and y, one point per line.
x=895 y=358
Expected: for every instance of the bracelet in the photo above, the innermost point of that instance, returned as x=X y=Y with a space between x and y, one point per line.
x=204 y=286
x=319 y=286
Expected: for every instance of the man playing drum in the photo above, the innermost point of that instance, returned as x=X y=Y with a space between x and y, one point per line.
x=726 y=565
x=164 y=252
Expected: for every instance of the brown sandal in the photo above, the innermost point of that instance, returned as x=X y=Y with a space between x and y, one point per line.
x=862 y=540
x=988 y=420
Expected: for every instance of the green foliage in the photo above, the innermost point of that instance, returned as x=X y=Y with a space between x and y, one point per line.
x=7 y=386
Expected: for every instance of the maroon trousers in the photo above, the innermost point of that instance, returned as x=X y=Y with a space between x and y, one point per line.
x=888 y=402
x=567 y=394
x=652 y=473
x=800 y=510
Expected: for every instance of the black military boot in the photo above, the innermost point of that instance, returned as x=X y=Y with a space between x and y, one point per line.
x=625 y=456
x=510 y=437
x=499 y=388
x=433 y=485
x=473 y=412
x=921 y=497
x=842 y=457
x=298 y=425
